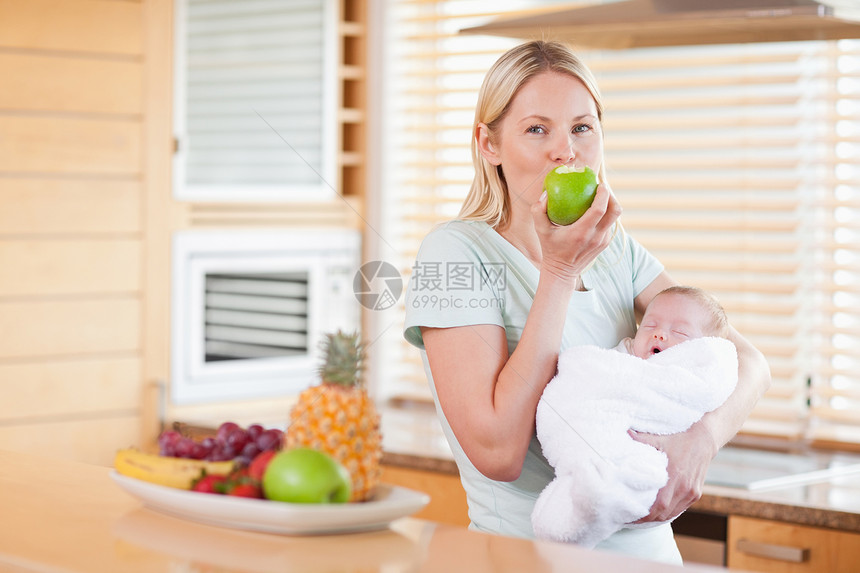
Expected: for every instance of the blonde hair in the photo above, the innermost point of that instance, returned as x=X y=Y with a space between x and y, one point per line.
x=719 y=324
x=488 y=199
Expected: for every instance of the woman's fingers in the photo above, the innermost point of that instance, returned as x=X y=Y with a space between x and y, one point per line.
x=613 y=209
x=538 y=210
x=575 y=246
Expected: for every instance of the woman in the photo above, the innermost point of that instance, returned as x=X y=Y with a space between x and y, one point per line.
x=498 y=293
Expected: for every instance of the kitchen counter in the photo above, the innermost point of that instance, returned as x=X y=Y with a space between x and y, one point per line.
x=804 y=487
x=70 y=517
x=833 y=503
x=414 y=440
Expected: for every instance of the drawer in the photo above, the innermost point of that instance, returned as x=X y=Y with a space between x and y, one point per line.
x=778 y=547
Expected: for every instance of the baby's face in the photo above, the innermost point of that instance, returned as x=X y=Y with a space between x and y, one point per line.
x=669 y=320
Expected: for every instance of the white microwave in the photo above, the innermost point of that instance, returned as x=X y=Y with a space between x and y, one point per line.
x=249 y=309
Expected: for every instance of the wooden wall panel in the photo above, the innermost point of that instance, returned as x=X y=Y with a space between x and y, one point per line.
x=73 y=266
x=56 y=83
x=51 y=329
x=36 y=206
x=105 y=27
x=69 y=145
x=73 y=225
x=74 y=439
x=85 y=164
x=33 y=390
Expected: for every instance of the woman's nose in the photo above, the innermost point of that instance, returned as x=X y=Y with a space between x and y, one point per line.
x=564 y=152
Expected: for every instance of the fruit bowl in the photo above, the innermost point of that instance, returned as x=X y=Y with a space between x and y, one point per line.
x=389 y=502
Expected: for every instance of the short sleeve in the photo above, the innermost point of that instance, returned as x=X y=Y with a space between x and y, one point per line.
x=645 y=266
x=453 y=283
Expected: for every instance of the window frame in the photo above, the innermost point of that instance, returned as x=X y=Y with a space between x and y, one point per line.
x=288 y=192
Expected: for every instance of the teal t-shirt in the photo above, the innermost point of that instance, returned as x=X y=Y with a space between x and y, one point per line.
x=465 y=273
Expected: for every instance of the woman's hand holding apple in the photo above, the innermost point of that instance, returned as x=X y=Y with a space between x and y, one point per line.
x=568 y=250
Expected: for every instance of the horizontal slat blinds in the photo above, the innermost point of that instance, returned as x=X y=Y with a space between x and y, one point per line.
x=713 y=156
x=255 y=315
x=433 y=80
x=735 y=165
x=254 y=98
x=835 y=253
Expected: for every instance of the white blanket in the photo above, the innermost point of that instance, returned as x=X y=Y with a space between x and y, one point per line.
x=604 y=478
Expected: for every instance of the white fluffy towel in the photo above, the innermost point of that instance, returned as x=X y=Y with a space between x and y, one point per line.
x=604 y=478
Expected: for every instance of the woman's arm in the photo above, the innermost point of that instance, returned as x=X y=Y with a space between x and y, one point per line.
x=690 y=453
x=490 y=398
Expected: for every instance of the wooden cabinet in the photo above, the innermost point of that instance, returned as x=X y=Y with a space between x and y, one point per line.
x=447 y=497
x=777 y=547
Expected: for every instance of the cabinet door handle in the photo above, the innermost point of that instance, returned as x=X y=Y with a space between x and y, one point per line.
x=771 y=551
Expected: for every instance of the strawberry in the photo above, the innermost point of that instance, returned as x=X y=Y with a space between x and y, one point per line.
x=208 y=483
x=240 y=484
x=246 y=489
x=259 y=464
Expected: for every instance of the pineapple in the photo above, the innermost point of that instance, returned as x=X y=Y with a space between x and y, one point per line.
x=338 y=417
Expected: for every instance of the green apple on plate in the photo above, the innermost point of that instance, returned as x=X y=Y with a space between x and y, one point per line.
x=305 y=475
x=570 y=192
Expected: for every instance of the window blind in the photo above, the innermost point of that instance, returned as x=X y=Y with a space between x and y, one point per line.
x=255 y=315
x=834 y=252
x=255 y=105
x=432 y=83
x=736 y=166
x=713 y=157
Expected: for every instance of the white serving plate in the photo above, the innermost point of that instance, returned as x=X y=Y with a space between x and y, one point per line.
x=389 y=503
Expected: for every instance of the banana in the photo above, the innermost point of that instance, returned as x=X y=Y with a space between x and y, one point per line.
x=162 y=470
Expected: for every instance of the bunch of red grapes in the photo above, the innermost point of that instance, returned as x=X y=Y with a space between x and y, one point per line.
x=231 y=442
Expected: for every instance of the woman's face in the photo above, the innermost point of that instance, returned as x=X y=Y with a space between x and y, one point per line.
x=551 y=121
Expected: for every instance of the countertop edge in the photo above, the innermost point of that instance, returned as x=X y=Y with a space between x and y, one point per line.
x=419 y=462
x=726 y=504
x=714 y=499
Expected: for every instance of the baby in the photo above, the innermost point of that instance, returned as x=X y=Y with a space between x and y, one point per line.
x=675 y=315
x=677 y=367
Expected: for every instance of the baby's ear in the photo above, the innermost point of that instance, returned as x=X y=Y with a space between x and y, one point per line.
x=485 y=146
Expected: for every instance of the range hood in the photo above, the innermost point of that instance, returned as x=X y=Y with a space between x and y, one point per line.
x=650 y=23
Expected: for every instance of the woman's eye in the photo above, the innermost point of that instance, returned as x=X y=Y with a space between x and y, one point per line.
x=536 y=129
x=582 y=128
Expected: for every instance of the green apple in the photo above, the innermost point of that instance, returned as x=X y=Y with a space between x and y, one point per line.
x=304 y=475
x=570 y=192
